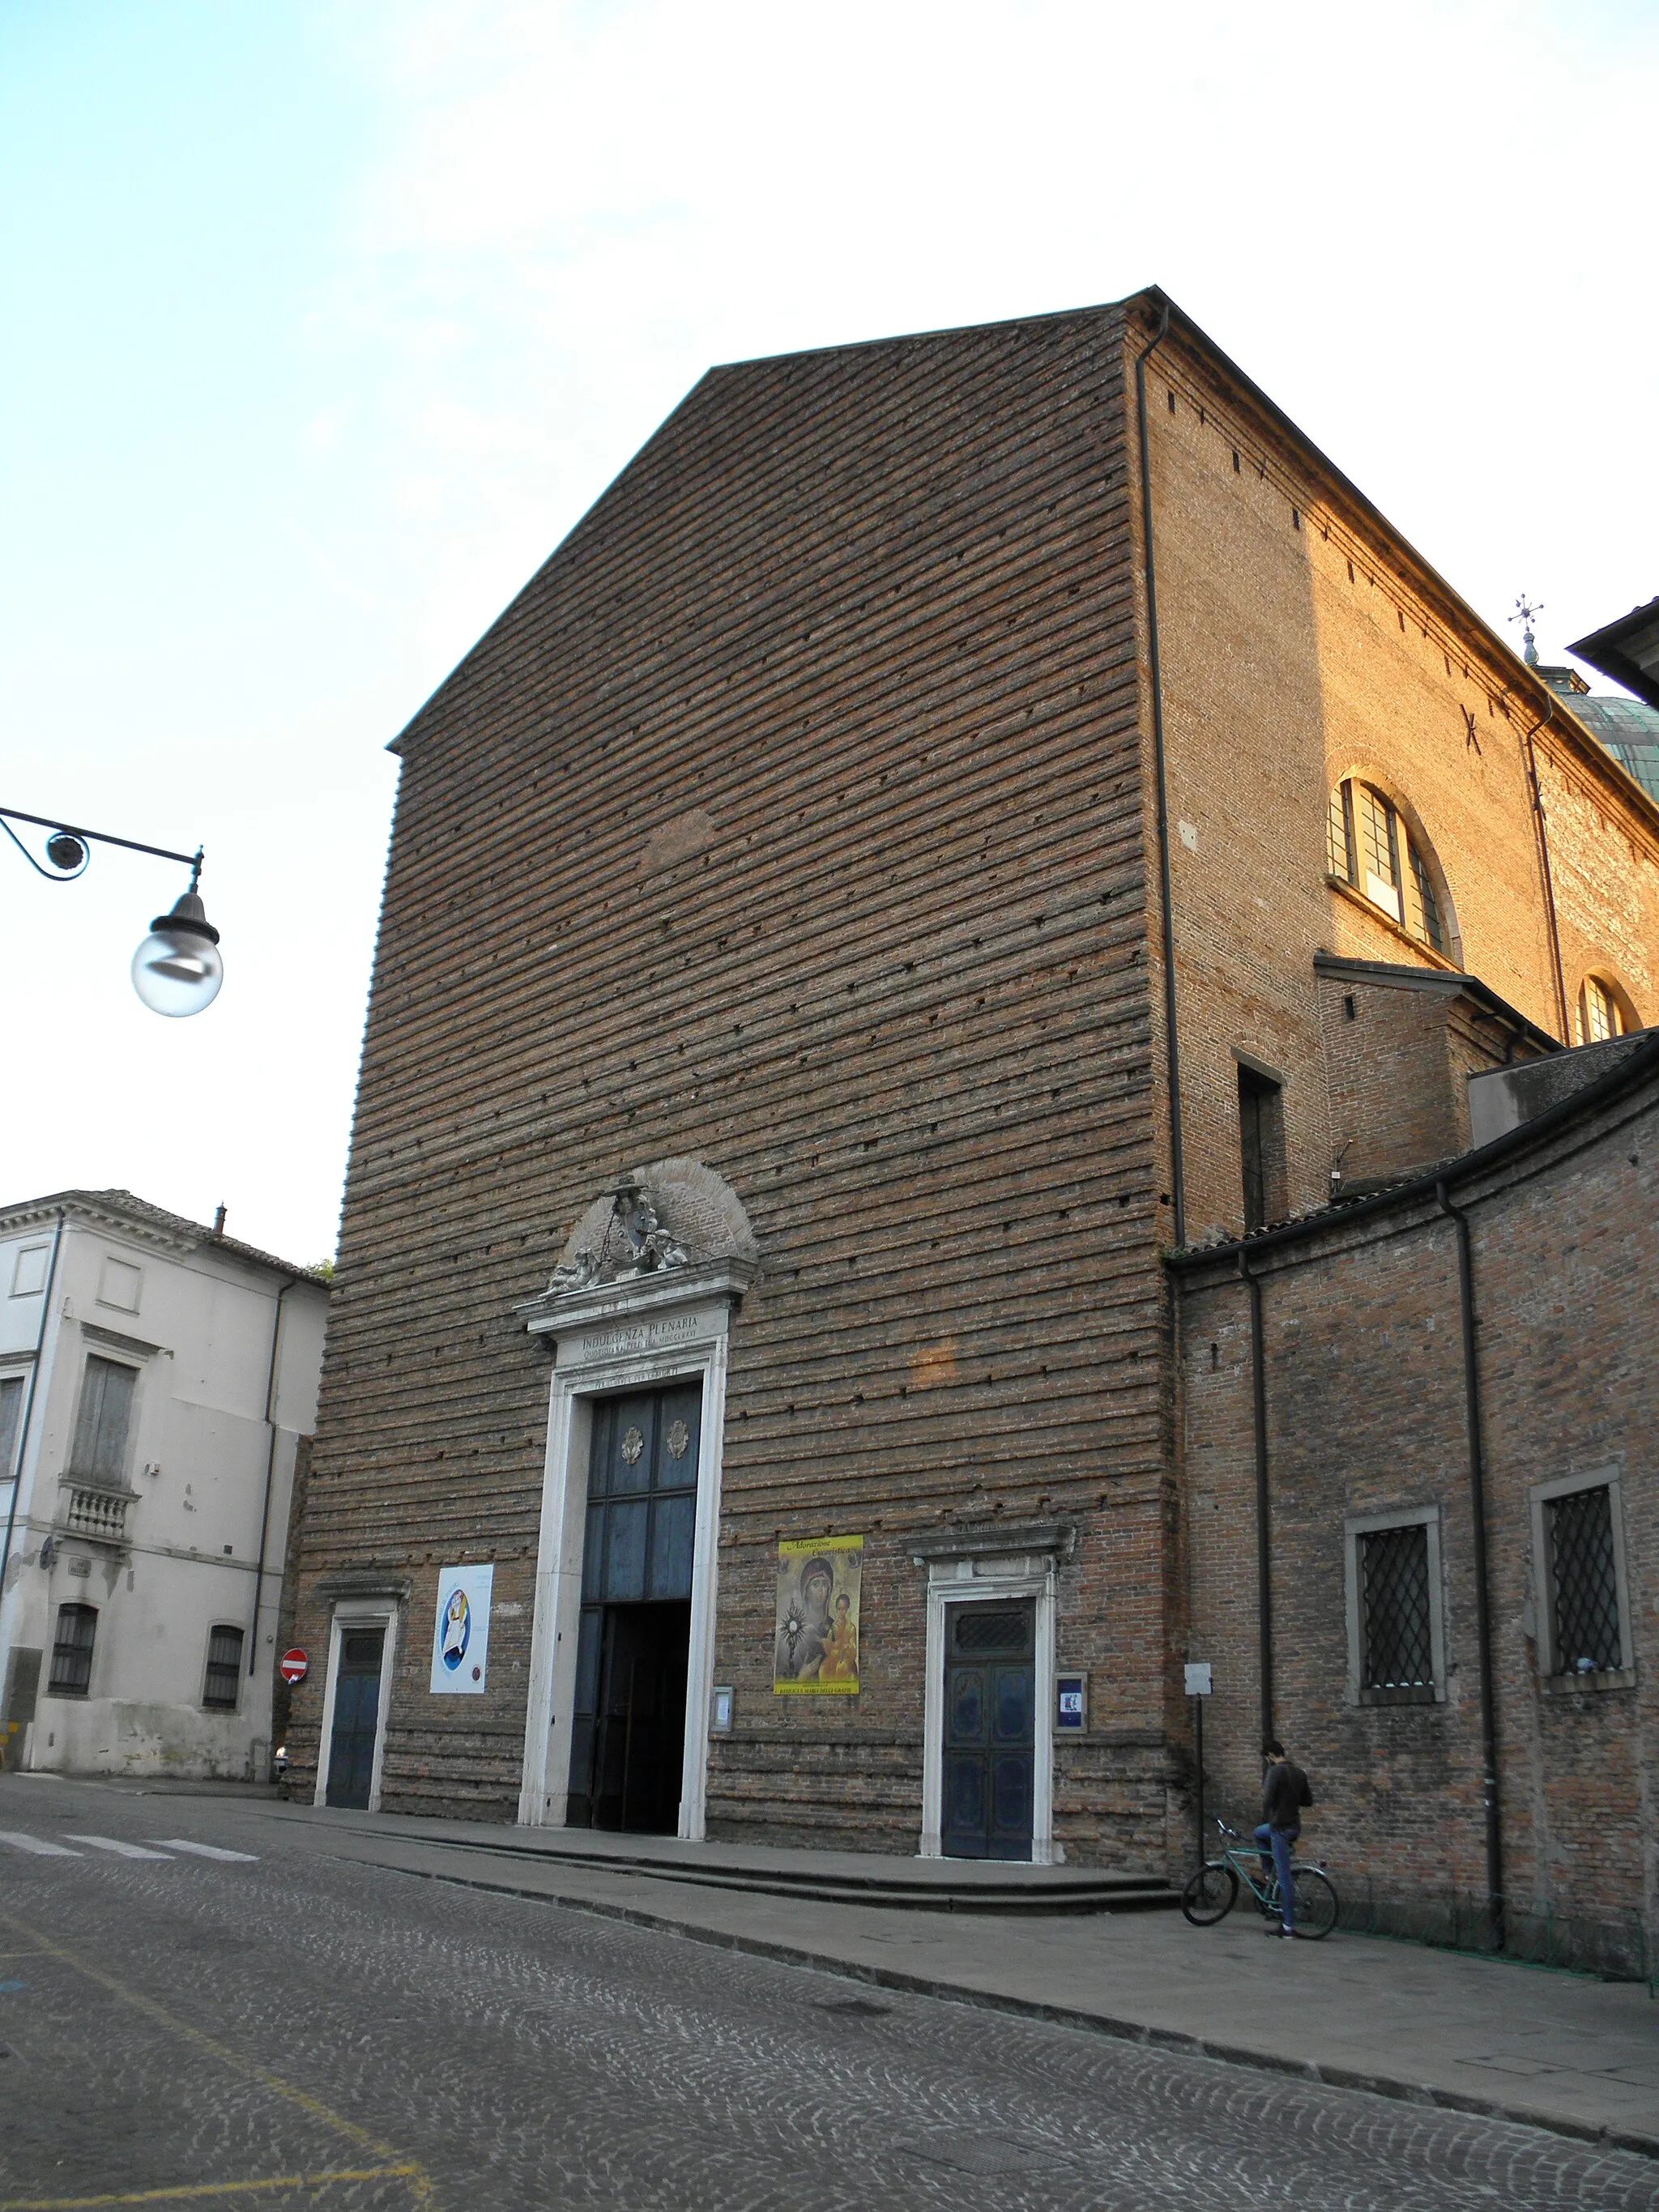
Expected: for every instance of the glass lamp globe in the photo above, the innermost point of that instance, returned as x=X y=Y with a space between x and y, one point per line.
x=177 y=970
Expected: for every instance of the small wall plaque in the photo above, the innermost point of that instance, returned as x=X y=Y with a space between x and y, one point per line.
x=1071 y=1702
x=719 y=1709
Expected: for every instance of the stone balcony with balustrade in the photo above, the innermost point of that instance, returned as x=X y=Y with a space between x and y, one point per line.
x=91 y=1515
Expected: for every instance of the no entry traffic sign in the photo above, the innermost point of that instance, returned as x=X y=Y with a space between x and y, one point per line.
x=293 y=1666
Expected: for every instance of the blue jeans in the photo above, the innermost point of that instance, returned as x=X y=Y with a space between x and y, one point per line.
x=1278 y=1841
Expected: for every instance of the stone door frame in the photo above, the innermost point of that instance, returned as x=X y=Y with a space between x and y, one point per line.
x=370 y=1612
x=661 y=1329
x=991 y=1567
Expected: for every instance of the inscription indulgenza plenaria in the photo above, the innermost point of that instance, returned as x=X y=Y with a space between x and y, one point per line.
x=641 y=1336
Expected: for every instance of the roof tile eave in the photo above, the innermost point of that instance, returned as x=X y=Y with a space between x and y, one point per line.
x=125 y=1204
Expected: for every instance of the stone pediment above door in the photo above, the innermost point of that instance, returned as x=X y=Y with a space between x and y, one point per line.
x=671 y=1231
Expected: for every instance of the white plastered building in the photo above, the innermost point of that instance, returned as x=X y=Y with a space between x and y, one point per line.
x=156 y=1379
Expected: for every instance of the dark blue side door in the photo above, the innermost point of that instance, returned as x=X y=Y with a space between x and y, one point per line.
x=990 y=1732
x=356 y=1712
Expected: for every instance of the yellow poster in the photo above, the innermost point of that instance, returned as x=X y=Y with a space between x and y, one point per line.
x=817 y=1653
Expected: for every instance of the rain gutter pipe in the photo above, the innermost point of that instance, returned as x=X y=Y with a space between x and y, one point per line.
x=1547 y=717
x=1264 y=1580
x=1482 y=1600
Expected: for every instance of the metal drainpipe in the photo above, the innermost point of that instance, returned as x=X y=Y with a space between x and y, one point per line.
x=1549 y=879
x=1177 y=1164
x=271 y=1471
x=28 y=1403
x=1264 y=1581
x=1482 y=1603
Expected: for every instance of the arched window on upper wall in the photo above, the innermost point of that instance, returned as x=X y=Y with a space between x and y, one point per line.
x=1370 y=847
x=1604 y=1010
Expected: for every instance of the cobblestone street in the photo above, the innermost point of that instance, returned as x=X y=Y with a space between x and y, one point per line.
x=183 y=2024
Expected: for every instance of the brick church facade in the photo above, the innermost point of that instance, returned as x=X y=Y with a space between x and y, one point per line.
x=880 y=911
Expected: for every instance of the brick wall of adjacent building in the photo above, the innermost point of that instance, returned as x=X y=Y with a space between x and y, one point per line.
x=1366 y=1413
x=1397 y=1049
x=790 y=820
x=1303 y=642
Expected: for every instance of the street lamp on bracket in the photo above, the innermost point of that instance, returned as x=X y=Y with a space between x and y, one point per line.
x=177 y=970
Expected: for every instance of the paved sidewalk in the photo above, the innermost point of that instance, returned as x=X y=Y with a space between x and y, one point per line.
x=1555 y=2049
x=1558 y=2049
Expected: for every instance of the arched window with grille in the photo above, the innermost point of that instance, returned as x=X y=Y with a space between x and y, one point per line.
x=1604 y=1010
x=1369 y=847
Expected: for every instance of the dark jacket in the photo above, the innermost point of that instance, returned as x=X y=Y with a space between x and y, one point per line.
x=1284 y=1792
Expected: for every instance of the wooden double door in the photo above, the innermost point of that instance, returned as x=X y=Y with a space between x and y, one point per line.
x=628 y=1735
x=990 y=1729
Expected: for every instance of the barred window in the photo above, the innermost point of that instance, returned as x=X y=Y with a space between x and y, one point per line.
x=983 y=1628
x=1368 y=846
x=1397 y=1667
x=71 y=1651
x=1396 y=1621
x=224 y=1669
x=1583 y=1584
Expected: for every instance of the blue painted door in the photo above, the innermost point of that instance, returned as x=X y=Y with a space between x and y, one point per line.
x=356 y=1715
x=990 y=1731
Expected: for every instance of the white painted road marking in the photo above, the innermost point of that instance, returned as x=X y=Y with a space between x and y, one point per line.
x=20 y=1842
x=206 y=1850
x=114 y=1843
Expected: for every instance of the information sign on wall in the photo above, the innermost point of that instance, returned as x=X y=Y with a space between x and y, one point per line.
x=460 y=1640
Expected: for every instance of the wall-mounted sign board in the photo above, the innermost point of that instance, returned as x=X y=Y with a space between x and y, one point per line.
x=460 y=1638
x=1071 y=1702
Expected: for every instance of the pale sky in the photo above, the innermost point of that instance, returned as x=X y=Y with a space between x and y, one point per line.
x=322 y=325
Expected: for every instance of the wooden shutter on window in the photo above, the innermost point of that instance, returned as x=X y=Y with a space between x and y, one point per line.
x=11 y=1415
x=100 y=1429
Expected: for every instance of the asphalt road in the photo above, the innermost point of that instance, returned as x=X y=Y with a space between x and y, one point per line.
x=291 y=2029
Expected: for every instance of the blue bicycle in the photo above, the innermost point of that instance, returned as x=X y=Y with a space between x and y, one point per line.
x=1212 y=1891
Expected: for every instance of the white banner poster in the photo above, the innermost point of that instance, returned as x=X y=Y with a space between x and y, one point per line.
x=460 y=1642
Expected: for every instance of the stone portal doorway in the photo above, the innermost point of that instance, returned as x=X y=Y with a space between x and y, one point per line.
x=990 y=1731
x=627 y=1734
x=357 y=1718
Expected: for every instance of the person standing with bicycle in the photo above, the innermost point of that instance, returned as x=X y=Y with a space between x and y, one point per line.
x=1285 y=1792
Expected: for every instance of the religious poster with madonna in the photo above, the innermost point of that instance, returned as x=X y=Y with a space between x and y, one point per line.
x=817 y=1652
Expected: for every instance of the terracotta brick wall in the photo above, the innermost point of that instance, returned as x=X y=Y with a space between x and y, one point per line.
x=1398 y=1051
x=797 y=818
x=791 y=819
x=1302 y=644
x=1366 y=1413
